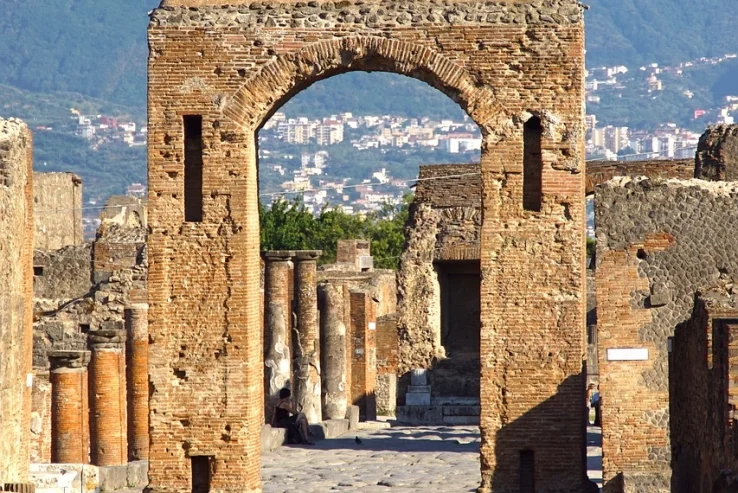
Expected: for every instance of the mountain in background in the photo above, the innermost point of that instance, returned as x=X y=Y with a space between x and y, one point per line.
x=91 y=55
x=98 y=48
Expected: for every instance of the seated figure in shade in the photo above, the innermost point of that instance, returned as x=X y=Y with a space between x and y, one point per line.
x=285 y=416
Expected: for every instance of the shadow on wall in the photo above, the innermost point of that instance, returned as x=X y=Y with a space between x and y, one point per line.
x=547 y=446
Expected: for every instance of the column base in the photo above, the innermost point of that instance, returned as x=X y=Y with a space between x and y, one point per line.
x=19 y=487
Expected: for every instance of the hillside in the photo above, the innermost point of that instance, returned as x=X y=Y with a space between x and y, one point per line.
x=635 y=32
x=98 y=47
x=91 y=55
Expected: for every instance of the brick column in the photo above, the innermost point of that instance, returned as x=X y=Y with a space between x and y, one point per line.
x=306 y=344
x=277 y=323
x=70 y=426
x=108 y=386
x=364 y=357
x=137 y=380
x=333 y=352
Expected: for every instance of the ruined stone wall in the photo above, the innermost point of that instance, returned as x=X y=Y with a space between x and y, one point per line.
x=658 y=243
x=702 y=395
x=717 y=154
x=16 y=298
x=227 y=67
x=62 y=274
x=58 y=210
x=598 y=172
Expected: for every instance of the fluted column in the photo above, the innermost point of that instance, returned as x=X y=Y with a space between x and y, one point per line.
x=70 y=426
x=278 y=372
x=333 y=351
x=108 y=386
x=137 y=380
x=306 y=344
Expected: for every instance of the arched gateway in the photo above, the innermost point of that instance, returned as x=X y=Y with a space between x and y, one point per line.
x=218 y=69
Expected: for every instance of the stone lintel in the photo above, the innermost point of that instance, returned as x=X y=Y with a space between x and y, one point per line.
x=107 y=338
x=277 y=255
x=69 y=360
x=308 y=255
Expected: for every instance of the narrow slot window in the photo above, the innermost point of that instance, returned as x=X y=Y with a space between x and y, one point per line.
x=532 y=165
x=201 y=473
x=527 y=472
x=193 y=168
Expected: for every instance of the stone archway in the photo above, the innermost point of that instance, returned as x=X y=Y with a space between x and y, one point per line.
x=217 y=71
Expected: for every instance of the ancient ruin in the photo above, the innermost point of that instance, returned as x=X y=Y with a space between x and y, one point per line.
x=218 y=70
x=16 y=303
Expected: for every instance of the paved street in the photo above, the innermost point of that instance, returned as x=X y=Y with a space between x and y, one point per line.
x=405 y=459
x=400 y=459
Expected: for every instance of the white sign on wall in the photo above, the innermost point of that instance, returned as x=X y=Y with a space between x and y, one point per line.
x=627 y=354
x=372 y=326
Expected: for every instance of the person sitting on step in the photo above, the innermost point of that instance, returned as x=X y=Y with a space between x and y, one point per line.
x=285 y=416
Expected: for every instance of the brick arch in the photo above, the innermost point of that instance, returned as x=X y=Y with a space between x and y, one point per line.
x=281 y=79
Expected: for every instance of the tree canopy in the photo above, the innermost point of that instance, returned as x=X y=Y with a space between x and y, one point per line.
x=289 y=225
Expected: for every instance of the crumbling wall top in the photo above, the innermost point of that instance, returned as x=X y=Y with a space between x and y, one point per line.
x=450 y=185
x=227 y=13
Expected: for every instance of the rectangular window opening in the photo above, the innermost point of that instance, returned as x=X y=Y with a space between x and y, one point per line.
x=84 y=328
x=193 y=163
x=201 y=466
x=38 y=270
x=532 y=165
x=527 y=472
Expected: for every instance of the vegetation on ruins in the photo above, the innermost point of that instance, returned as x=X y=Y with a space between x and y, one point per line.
x=289 y=225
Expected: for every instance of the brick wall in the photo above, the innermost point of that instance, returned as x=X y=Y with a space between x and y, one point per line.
x=598 y=172
x=363 y=353
x=702 y=390
x=58 y=210
x=651 y=260
x=234 y=65
x=16 y=298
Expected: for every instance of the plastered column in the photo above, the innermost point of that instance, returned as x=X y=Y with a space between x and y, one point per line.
x=277 y=315
x=137 y=363
x=306 y=343
x=333 y=351
x=70 y=426
x=108 y=386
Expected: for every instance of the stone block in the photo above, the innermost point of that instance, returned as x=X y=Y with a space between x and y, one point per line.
x=113 y=477
x=138 y=474
x=658 y=299
x=415 y=415
x=417 y=398
x=272 y=438
x=352 y=414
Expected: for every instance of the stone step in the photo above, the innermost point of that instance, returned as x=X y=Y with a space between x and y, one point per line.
x=461 y=420
x=461 y=411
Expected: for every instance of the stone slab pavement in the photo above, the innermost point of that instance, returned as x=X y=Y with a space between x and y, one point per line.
x=396 y=460
x=401 y=459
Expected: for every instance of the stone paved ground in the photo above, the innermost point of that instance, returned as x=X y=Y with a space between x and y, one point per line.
x=391 y=460
x=397 y=460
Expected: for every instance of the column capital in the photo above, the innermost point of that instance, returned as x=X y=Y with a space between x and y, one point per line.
x=107 y=338
x=308 y=255
x=69 y=360
x=277 y=255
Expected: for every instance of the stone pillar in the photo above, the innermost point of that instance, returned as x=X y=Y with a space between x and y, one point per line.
x=137 y=380
x=70 y=426
x=333 y=352
x=277 y=318
x=364 y=357
x=306 y=343
x=108 y=432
